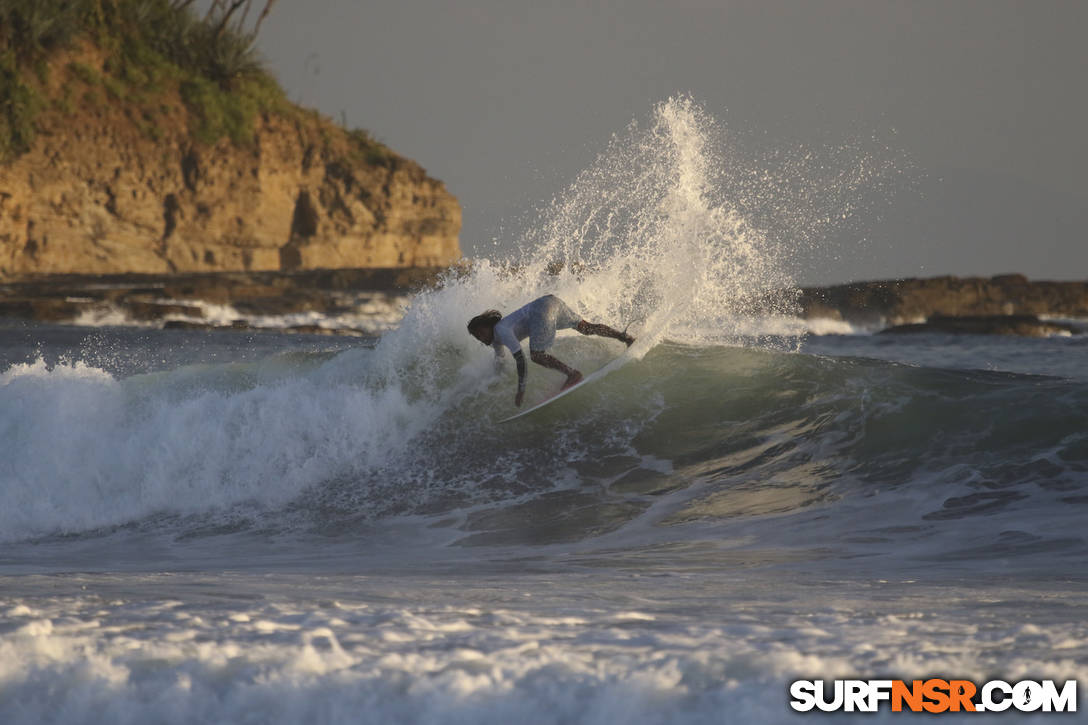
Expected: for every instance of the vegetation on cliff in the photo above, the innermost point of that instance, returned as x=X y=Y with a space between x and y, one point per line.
x=149 y=55
x=140 y=137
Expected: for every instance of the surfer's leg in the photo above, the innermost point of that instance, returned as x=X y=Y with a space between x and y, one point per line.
x=593 y=328
x=550 y=361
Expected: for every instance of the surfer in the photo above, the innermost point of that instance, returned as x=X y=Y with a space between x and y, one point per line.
x=537 y=321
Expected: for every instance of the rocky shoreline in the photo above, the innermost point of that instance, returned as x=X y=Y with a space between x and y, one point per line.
x=1009 y=304
x=368 y=301
x=285 y=301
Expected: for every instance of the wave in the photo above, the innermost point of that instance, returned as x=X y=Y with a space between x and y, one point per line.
x=718 y=426
x=792 y=450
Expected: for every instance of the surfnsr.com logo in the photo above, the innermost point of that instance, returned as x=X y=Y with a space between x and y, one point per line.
x=933 y=696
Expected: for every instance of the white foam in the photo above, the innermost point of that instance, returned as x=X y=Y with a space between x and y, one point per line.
x=83 y=450
x=453 y=653
x=827 y=326
x=106 y=315
x=374 y=313
x=39 y=370
x=370 y=312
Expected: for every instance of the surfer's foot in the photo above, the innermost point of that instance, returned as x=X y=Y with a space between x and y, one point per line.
x=573 y=379
x=626 y=339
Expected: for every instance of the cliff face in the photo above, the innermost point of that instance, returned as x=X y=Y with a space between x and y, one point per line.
x=109 y=188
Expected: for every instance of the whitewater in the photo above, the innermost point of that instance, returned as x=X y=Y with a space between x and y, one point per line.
x=209 y=527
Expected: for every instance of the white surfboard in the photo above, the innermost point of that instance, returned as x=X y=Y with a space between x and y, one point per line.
x=595 y=375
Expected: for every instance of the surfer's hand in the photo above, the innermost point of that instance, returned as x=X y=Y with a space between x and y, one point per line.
x=519 y=397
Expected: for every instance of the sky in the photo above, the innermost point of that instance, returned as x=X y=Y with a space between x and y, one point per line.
x=981 y=103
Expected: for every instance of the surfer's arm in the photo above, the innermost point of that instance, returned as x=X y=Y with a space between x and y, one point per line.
x=519 y=359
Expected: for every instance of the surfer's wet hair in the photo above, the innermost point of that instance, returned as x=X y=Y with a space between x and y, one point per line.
x=487 y=319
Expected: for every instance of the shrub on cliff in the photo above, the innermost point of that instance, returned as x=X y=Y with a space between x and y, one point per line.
x=35 y=26
x=151 y=47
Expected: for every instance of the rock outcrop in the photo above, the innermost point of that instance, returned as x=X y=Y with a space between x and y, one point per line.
x=110 y=187
x=180 y=301
x=910 y=301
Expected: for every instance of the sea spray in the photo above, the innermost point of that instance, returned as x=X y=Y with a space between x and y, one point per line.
x=646 y=236
x=648 y=233
x=667 y=230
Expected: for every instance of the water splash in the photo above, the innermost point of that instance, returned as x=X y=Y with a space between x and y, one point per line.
x=647 y=235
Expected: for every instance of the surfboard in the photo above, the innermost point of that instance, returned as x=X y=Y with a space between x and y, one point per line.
x=595 y=375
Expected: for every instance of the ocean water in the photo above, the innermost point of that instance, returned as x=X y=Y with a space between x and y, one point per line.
x=259 y=527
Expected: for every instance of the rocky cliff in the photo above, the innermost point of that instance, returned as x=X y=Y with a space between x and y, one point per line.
x=116 y=181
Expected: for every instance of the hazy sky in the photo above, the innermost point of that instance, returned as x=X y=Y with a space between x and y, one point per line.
x=507 y=101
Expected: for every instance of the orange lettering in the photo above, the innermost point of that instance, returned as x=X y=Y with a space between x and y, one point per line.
x=937 y=691
x=912 y=695
x=961 y=693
